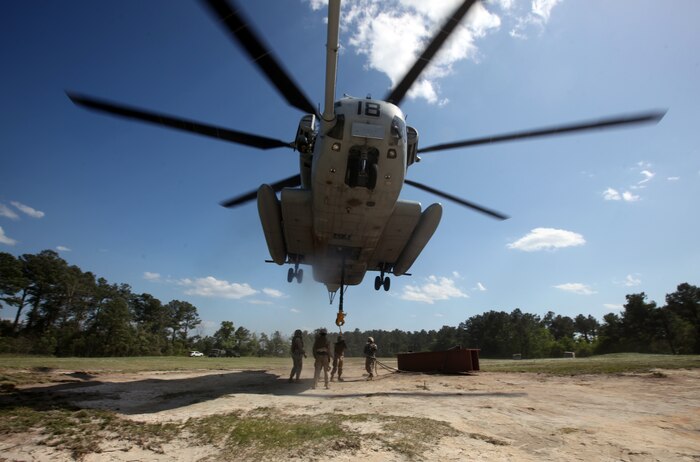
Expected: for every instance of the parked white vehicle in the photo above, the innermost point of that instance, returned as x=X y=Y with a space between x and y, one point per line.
x=196 y=353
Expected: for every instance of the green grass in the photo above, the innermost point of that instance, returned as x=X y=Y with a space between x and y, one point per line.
x=36 y=369
x=264 y=432
x=412 y=436
x=139 y=363
x=57 y=423
x=603 y=364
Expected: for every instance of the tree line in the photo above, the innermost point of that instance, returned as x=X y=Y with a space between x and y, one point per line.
x=61 y=310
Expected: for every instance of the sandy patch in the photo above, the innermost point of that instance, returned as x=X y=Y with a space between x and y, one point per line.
x=499 y=416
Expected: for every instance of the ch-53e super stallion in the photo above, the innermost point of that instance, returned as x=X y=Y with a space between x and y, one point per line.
x=341 y=214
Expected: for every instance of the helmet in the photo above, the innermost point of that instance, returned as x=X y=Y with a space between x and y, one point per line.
x=370 y=339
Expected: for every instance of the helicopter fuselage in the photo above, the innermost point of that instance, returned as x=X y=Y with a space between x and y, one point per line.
x=347 y=218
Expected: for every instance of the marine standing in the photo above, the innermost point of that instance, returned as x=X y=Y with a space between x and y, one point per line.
x=338 y=356
x=298 y=355
x=322 y=355
x=370 y=357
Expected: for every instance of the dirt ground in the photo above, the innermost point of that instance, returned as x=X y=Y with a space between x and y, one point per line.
x=498 y=416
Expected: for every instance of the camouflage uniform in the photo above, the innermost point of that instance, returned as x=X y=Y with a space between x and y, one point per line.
x=322 y=355
x=298 y=355
x=370 y=357
x=338 y=356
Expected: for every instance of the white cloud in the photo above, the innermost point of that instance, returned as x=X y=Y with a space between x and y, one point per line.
x=480 y=287
x=28 y=210
x=260 y=302
x=147 y=275
x=295 y=310
x=547 y=239
x=538 y=16
x=504 y=4
x=436 y=288
x=631 y=281
x=4 y=239
x=543 y=8
x=7 y=212
x=317 y=4
x=391 y=34
x=273 y=293
x=673 y=178
x=212 y=287
x=576 y=288
x=612 y=306
x=648 y=175
x=62 y=248
x=611 y=194
x=629 y=197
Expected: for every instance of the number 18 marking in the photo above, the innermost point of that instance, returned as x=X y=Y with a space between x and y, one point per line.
x=371 y=109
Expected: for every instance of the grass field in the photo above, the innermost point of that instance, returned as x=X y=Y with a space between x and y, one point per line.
x=140 y=363
x=604 y=364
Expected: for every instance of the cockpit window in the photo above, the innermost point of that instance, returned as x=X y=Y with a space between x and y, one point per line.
x=398 y=131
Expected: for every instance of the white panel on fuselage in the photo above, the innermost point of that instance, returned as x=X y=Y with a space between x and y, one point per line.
x=297 y=222
x=396 y=234
x=373 y=131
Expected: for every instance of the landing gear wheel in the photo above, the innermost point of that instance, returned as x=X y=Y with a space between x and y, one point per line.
x=387 y=284
x=300 y=275
x=377 y=283
x=290 y=275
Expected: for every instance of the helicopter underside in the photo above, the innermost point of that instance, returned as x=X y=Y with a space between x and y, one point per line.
x=358 y=244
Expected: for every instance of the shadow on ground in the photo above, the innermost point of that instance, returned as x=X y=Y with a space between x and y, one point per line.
x=154 y=395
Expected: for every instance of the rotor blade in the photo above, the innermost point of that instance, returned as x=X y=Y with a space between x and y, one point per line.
x=247 y=139
x=399 y=92
x=290 y=182
x=648 y=117
x=261 y=54
x=471 y=205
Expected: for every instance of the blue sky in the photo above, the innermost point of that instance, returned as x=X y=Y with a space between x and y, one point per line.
x=594 y=216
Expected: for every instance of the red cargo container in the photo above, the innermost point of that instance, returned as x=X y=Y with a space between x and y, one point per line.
x=450 y=361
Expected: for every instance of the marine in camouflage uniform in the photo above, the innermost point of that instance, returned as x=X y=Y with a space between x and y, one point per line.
x=370 y=352
x=338 y=356
x=322 y=355
x=298 y=355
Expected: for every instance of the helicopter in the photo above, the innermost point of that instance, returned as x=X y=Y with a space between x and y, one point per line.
x=342 y=214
